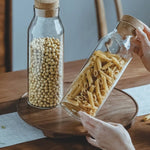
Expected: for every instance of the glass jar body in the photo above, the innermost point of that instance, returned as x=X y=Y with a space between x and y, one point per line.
x=45 y=60
x=99 y=75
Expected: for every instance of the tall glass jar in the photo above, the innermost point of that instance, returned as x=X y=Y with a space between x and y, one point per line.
x=102 y=70
x=45 y=55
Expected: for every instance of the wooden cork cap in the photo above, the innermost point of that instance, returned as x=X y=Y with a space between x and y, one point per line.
x=46 y=4
x=128 y=25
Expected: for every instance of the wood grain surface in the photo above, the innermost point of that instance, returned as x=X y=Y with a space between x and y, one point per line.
x=71 y=143
x=13 y=85
x=56 y=123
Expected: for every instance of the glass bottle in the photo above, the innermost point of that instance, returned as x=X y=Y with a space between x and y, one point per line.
x=45 y=55
x=102 y=70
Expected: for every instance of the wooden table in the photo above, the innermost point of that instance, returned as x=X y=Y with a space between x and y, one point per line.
x=14 y=84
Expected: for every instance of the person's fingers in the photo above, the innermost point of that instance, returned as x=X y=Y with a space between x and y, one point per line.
x=138 y=51
x=91 y=120
x=92 y=124
x=135 y=42
x=136 y=46
x=89 y=128
x=117 y=125
x=143 y=37
x=91 y=141
x=88 y=119
x=147 y=31
x=88 y=123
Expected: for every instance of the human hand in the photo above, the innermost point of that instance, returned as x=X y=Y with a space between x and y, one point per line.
x=141 y=45
x=107 y=136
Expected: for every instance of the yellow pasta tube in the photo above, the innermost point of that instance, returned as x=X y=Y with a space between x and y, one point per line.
x=110 y=72
x=86 y=106
x=85 y=83
x=95 y=72
x=107 y=65
x=71 y=107
x=108 y=54
x=113 y=70
x=95 y=100
x=89 y=77
x=92 y=88
x=90 y=96
x=102 y=56
x=116 y=62
x=73 y=102
x=99 y=64
x=76 y=91
x=98 y=92
x=105 y=86
x=107 y=77
x=122 y=62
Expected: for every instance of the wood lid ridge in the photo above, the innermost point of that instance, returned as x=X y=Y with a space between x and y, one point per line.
x=46 y=4
x=128 y=25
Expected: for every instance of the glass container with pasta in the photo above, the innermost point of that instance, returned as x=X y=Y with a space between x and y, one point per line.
x=102 y=70
x=45 y=55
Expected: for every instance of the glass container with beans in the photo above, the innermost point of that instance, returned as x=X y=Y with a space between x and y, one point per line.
x=45 y=55
x=102 y=70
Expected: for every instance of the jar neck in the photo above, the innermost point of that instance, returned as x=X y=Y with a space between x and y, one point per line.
x=47 y=13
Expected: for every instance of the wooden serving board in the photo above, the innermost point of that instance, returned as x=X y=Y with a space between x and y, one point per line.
x=56 y=123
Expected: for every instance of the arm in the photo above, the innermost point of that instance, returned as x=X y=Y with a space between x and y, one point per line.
x=107 y=136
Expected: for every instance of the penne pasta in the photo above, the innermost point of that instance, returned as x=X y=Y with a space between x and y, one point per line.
x=105 y=86
x=99 y=64
x=113 y=55
x=107 y=77
x=92 y=88
x=106 y=66
x=102 y=56
x=98 y=92
x=76 y=91
x=73 y=102
x=95 y=71
x=71 y=107
x=90 y=96
x=89 y=77
x=116 y=62
x=110 y=72
x=122 y=62
x=95 y=100
x=92 y=85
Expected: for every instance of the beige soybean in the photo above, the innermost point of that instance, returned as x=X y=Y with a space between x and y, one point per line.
x=45 y=72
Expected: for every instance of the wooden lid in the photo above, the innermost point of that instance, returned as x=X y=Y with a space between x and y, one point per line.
x=46 y=4
x=128 y=25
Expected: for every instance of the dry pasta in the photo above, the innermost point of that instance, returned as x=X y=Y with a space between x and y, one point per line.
x=89 y=90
